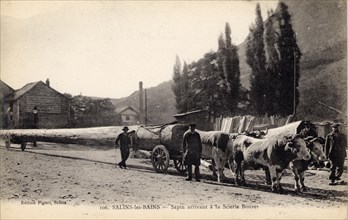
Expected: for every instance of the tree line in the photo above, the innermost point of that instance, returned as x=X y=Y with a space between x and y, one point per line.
x=213 y=82
x=88 y=112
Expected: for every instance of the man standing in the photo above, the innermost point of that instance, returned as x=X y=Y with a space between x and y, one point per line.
x=123 y=141
x=192 y=148
x=36 y=118
x=308 y=130
x=335 y=148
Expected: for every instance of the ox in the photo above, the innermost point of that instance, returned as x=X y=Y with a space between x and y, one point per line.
x=275 y=154
x=220 y=143
x=236 y=153
x=298 y=167
x=222 y=148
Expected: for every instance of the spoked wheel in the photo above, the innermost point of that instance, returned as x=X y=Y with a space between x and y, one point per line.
x=160 y=158
x=23 y=145
x=180 y=166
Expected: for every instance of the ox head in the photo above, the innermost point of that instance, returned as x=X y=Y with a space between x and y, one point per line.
x=231 y=139
x=262 y=134
x=256 y=134
x=316 y=148
x=298 y=146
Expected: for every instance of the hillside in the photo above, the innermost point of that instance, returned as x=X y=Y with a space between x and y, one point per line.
x=323 y=42
x=321 y=28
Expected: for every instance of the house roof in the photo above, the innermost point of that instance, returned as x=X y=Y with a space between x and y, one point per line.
x=24 y=89
x=6 y=90
x=3 y=85
x=20 y=92
x=122 y=109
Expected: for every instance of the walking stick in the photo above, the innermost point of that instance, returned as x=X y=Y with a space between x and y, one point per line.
x=115 y=157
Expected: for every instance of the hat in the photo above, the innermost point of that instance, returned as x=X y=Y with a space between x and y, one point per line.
x=307 y=123
x=335 y=125
x=125 y=128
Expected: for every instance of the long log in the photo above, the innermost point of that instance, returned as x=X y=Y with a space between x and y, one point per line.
x=147 y=137
x=286 y=130
x=87 y=136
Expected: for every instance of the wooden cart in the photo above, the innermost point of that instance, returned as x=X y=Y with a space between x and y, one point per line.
x=165 y=144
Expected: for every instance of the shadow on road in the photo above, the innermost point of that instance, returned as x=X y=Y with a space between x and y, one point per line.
x=133 y=167
x=288 y=189
x=312 y=193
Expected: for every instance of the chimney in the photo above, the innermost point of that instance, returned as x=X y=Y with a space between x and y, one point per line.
x=141 y=105
x=48 y=82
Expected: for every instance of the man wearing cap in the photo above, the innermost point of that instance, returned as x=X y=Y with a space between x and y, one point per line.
x=192 y=148
x=123 y=141
x=308 y=130
x=335 y=149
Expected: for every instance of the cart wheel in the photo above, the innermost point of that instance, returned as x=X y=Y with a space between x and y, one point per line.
x=23 y=145
x=160 y=158
x=180 y=166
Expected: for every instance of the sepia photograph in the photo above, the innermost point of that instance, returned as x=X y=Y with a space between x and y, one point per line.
x=173 y=109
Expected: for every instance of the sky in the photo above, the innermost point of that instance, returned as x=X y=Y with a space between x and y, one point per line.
x=104 y=48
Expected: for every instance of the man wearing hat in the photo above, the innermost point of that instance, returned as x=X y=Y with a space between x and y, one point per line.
x=123 y=141
x=335 y=149
x=192 y=148
x=308 y=130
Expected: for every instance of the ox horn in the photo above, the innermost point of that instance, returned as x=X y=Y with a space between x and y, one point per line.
x=266 y=131
x=314 y=139
x=309 y=138
x=295 y=136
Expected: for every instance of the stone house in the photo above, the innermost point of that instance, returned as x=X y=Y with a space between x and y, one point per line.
x=6 y=94
x=37 y=105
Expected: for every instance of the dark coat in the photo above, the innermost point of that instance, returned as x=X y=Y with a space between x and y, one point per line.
x=336 y=146
x=124 y=140
x=192 y=147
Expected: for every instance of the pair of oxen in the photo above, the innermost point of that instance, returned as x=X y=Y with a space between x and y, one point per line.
x=273 y=153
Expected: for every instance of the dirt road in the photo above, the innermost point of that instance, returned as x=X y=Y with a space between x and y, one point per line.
x=71 y=181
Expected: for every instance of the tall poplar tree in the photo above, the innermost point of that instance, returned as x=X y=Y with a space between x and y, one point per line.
x=176 y=86
x=230 y=68
x=209 y=75
x=289 y=67
x=256 y=59
x=185 y=92
x=272 y=66
x=220 y=61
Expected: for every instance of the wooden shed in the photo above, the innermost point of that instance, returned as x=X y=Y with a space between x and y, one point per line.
x=6 y=94
x=199 y=117
x=37 y=105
